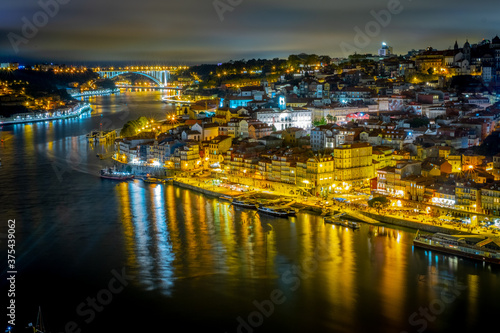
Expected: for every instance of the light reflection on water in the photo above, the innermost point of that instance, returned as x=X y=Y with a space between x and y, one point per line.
x=181 y=245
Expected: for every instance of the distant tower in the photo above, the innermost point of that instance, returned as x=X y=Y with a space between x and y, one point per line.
x=466 y=51
x=456 y=46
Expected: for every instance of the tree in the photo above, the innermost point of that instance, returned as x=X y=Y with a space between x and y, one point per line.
x=320 y=122
x=132 y=127
x=329 y=117
x=378 y=202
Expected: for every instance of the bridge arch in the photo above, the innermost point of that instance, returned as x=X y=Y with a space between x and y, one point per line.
x=158 y=77
x=155 y=80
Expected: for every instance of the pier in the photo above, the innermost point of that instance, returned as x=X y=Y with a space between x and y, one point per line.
x=100 y=136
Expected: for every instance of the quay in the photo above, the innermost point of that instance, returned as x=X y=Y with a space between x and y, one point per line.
x=238 y=187
x=358 y=214
x=101 y=136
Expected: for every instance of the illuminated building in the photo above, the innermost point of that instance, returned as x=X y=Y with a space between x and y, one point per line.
x=282 y=119
x=216 y=148
x=468 y=196
x=490 y=199
x=353 y=163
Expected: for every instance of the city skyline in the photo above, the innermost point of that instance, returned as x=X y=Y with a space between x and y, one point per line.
x=194 y=32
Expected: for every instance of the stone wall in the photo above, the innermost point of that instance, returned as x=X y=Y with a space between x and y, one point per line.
x=409 y=224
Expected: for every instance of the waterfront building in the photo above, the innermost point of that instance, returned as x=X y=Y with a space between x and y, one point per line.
x=353 y=163
x=186 y=158
x=442 y=194
x=490 y=199
x=162 y=150
x=390 y=179
x=415 y=188
x=468 y=196
x=216 y=149
x=320 y=173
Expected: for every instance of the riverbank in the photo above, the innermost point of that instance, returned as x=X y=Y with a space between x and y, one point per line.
x=311 y=206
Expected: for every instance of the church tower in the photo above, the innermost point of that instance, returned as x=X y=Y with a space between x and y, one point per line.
x=466 y=51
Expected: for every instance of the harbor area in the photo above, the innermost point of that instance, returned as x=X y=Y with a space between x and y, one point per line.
x=100 y=136
x=304 y=202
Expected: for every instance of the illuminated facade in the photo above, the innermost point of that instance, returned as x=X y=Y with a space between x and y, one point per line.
x=216 y=149
x=283 y=119
x=353 y=163
x=468 y=196
x=490 y=199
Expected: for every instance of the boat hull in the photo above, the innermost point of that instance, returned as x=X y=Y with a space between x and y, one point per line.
x=342 y=223
x=117 y=177
x=455 y=252
x=273 y=212
x=243 y=204
x=113 y=175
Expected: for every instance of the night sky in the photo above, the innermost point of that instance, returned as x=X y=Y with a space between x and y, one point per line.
x=193 y=31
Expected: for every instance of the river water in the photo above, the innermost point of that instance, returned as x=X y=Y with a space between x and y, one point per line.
x=103 y=256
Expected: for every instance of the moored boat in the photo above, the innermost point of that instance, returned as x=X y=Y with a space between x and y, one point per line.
x=152 y=180
x=344 y=223
x=273 y=211
x=243 y=204
x=460 y=246
x=113 y=174
x=225 y=198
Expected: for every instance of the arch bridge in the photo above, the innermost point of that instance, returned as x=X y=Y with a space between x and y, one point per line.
x=160 y=77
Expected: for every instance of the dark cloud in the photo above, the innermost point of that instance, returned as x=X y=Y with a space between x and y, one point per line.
x=191 y=31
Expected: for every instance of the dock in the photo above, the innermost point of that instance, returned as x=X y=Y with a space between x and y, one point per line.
x=99 y=136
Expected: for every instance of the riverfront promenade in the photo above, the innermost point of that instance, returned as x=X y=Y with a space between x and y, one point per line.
x=358 y=210
x=56 y=115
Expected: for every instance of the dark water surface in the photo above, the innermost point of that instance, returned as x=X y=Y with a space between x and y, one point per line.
x=102 y=256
